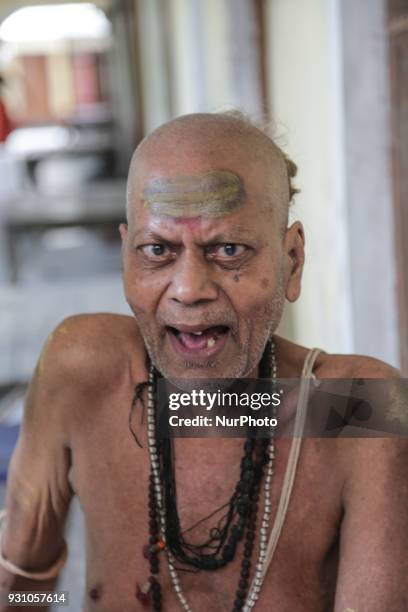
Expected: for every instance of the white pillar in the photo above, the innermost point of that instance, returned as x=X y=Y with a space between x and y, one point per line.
x=369 y=189
x=153 y=64
x=305 y=91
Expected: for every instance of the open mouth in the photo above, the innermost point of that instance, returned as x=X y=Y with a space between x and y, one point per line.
x=196 y=340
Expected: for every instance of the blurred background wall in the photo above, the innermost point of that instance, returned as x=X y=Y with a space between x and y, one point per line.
x=84 y=82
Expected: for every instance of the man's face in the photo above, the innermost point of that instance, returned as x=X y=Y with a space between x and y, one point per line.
x=203 y=275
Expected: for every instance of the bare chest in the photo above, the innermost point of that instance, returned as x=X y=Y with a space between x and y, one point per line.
x=111 y=478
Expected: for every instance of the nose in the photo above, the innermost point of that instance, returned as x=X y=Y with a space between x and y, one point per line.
x=192 y=283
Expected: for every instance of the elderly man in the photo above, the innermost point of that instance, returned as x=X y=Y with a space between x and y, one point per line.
x=208 y=263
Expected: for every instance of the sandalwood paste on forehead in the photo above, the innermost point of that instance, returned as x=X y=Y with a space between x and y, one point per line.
x=213 y=194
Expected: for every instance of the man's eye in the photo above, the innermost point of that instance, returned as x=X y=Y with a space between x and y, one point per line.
x=229 y=250
x=155 y=250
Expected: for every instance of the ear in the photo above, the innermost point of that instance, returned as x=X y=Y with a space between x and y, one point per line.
x=294 y=254
x=123 y=231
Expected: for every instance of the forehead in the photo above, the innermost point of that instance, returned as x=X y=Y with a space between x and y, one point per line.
x=184 y=177
x=211 y=194
x=207 y=204
x=190 y=188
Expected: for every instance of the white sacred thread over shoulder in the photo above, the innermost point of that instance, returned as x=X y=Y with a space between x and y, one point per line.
x=301 y=411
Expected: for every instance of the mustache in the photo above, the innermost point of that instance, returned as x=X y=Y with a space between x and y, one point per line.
x=196 y=317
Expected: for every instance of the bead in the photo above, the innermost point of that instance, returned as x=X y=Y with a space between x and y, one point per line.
x=239 y=601
x=247 y=497
x=243 y=486
x=243 y=508
x=242 y=521
x=246 y=463
x=228 y=552
x=249 y=546
x=142 y=594
x=208 y=562
x=251 y=535
x=156 y=589
x=237 y=532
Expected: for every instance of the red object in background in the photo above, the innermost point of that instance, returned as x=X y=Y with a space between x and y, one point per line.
x=87 y=86
x=5 y=124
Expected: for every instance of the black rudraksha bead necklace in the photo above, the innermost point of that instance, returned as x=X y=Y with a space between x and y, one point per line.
x=240 y=521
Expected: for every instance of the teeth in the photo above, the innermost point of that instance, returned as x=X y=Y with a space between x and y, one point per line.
x=199 y=333
x=210 y=342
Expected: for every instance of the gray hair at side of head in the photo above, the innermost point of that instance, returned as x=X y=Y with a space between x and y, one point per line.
x=265 y=127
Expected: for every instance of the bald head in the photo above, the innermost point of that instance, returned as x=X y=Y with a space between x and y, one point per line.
x=205 y=164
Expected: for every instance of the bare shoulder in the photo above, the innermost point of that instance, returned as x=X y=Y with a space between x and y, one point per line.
x=382 y=395
x=379 y=445
x=93 y=348
x=332 y=365
x=353 y=366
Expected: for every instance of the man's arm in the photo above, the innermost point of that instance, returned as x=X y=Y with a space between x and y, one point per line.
x=38 y=489
x=373 y=566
